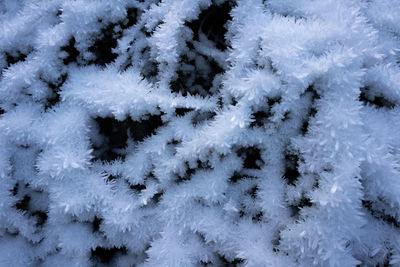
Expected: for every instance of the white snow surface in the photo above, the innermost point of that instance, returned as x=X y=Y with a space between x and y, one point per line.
x=199 y=133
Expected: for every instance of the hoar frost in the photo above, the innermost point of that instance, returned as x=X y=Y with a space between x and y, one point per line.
x=199 y=133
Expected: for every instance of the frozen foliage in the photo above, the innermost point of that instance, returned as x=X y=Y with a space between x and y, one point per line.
x=199 y=133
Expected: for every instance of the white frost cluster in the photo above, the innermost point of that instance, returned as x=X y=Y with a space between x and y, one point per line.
x=199 y=133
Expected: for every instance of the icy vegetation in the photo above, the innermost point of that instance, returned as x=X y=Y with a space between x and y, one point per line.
x=199 y=133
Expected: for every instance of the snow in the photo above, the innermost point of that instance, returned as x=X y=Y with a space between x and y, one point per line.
x=190 y=133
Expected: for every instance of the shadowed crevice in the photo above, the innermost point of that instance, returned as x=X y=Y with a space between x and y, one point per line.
x=251 y=157
x=15 y=57
x=378 y=101
x=212 y=23
x=115 y=134
x=291 y=168
x=105 y=255
x=295 y=209
x=72 y=52
x=104 y=45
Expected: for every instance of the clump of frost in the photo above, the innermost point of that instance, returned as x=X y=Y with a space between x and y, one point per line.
x=199 y=133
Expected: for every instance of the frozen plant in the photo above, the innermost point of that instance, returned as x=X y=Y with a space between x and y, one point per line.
x=199 y=133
